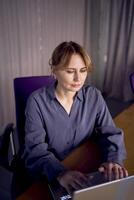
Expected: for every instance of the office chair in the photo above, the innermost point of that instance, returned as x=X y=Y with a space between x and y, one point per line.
x=132 y=81
x=23 y=87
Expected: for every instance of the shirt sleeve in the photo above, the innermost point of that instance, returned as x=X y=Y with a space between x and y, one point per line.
x=109 y=137
x=38 y=159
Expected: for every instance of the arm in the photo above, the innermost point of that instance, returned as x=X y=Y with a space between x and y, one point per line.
x=111 y=140
x=38 y=158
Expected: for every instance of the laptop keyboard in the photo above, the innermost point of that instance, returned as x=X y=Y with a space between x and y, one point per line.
x=59 y=193
x=66 y=197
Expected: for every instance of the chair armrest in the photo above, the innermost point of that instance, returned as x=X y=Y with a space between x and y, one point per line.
x=7 y=147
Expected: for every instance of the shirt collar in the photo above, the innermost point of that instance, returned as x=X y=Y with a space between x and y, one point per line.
x=79 y=95
x=51 y=92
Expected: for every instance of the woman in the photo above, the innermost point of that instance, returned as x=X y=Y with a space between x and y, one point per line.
x=63 y=115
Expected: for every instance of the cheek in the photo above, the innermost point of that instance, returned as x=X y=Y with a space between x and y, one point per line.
x=84 y=76
x=67 y=78
x=64 y=80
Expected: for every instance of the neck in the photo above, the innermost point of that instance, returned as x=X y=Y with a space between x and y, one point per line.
x=64 y=95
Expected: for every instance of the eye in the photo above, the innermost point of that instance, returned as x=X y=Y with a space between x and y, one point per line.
x=70 y=71
x=83 y=70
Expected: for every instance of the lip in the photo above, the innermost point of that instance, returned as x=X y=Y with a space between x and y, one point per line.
x=76 y=85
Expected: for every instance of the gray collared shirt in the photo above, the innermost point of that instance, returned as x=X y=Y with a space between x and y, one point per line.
x=51 y=133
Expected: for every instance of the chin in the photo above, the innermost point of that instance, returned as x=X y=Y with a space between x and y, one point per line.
x=75 y=89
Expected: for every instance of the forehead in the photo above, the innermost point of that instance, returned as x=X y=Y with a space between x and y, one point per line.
x=76 y=61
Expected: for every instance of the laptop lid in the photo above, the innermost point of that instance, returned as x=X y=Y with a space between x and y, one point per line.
x=122 y=189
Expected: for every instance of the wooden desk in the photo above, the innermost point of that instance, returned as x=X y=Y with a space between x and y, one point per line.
x=125 y=121
x=38 y=191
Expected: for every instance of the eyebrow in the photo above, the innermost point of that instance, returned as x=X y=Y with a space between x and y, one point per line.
x=75 y=68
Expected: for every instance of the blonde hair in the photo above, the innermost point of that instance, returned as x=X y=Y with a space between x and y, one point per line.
x=63 y=52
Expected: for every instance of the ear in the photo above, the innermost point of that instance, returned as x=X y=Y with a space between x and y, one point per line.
x=53 y=73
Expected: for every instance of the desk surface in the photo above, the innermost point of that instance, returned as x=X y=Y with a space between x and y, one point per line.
x=38 y=191
x=124 y=120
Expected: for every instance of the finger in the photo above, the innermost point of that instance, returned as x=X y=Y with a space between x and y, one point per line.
x=82 y=182
x=125 y=172
x=109 y=171
x=84 y=178
x=70 y=190
x=81 y=179
x=76 y=185
x=101 y=169
x=117 y=172
x=121 y=172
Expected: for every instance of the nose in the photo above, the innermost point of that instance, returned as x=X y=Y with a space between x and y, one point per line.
x=77 y=76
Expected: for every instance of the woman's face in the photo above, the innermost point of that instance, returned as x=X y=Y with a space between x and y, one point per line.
x=72 y=78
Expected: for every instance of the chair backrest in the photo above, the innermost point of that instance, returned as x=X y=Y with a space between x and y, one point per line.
x=23 y=87
x=132 y=81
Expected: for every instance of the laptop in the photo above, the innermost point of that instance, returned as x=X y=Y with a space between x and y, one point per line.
x=122 y=189
x=97 y=187
x=59 y=193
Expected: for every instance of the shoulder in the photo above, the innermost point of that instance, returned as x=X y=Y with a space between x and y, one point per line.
x=38 y=93
x=92 y=95
x=39 y=96
x=91 y=90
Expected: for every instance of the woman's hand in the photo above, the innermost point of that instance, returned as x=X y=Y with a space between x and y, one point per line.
x=72 y=180
x=113 y=171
